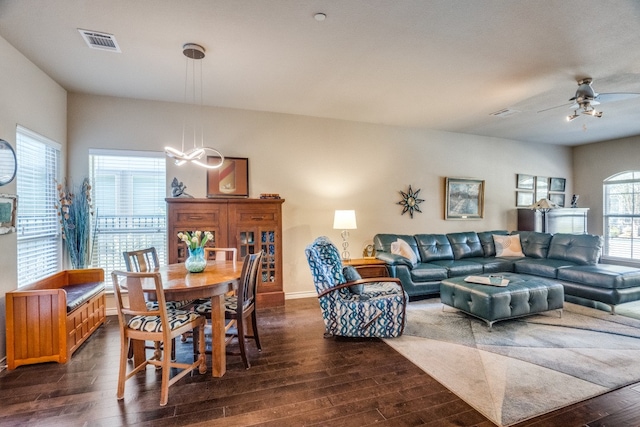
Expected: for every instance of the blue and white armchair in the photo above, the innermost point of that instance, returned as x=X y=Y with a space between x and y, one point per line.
x=351 y=306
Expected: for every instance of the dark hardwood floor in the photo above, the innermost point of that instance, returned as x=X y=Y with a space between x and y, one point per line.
x=298 y=379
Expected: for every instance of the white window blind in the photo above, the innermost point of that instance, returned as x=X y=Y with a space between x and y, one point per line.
x=39 y=243
x=129 y=189
x=622 y=216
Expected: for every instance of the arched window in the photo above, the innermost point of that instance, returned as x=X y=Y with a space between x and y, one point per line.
x=622 y=216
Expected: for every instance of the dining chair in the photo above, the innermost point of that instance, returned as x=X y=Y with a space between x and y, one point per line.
x=221 y=254
x=240 y=308
x=138 y=322
x=144 y=260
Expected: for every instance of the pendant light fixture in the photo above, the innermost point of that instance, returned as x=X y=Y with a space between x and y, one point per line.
x=197 y=154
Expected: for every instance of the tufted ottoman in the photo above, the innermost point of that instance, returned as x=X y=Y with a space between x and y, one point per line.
x=524 y=295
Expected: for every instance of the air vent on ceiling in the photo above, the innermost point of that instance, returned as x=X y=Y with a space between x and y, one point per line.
x=102 y=41
x=504 y=113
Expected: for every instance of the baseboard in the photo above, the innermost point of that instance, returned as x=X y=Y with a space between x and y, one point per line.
x=297 y=295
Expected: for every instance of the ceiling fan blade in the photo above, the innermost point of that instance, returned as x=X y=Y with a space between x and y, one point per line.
x=618 y=96
x=557 y=106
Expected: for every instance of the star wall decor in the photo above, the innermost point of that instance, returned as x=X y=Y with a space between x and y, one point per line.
x=410 y=202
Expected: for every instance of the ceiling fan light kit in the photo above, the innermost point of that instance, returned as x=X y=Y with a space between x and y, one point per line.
x=585 y=99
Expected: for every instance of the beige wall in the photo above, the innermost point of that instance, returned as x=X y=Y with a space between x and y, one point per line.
x=33 y=100
x=593 y=163
x=320 y=165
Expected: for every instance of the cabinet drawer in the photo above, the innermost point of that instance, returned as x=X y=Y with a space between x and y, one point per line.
x=187 y=218
x=256 y=216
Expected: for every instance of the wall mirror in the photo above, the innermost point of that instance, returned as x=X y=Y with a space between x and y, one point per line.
x=7 y=163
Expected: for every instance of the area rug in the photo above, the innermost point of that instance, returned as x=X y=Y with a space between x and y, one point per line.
x=526 y=367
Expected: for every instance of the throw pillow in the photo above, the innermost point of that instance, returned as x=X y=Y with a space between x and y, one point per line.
x=508 y=245
x=351 y=274
x=402 y=248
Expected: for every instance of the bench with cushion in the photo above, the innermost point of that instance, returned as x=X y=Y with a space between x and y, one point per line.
x=49 y=319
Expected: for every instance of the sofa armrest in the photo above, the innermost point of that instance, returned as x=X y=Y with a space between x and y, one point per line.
x=393 y=259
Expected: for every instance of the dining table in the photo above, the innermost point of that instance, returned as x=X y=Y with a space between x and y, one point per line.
x=217 y=279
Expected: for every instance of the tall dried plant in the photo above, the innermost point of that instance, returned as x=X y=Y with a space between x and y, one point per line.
x=74 y=211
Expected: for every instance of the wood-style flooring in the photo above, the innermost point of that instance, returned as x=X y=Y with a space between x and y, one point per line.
x=300 y=378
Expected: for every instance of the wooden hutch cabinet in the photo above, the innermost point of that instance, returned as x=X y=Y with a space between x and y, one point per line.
x=250 y=225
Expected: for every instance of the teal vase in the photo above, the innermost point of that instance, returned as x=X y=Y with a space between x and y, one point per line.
x=195 y=263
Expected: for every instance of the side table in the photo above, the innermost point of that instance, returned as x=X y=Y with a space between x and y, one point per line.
x=368 y=267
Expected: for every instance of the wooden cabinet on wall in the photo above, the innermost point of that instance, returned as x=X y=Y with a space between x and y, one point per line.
x=250 y=225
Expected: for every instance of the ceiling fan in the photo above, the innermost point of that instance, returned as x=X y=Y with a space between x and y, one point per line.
x=585 y=99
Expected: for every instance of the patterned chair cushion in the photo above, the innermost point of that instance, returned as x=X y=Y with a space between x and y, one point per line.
x=330 y=258
x=171 y=305
x=176 y=319
x=230 y=305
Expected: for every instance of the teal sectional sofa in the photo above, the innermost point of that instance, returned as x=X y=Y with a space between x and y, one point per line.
x=570 y=259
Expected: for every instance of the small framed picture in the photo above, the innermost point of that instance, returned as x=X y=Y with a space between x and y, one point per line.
x=8 y=206
x=464 y=198
x=231 y=179
x=524 y=199
x=542 y=187
x=524 y=182
x=557 y=184
x=557 y=198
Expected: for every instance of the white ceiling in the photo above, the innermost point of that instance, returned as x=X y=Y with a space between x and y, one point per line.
x=437 y=64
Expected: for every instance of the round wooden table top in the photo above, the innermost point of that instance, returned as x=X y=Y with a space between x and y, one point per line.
x=179 y=284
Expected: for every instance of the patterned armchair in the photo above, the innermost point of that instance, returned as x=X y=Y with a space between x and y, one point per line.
x=372 y=307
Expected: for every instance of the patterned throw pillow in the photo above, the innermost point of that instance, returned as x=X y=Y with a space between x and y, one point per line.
x=402 y=248
x=508 y=245
x=351 y=274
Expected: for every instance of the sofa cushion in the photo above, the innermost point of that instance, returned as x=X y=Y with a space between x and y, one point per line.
x=433 y=247
x=460 y=267
x=493 y=264
x=81 y=293
x=534 y=244
x=428 y=273
x=540 y=267
x=351 y=275
x=486 y=240
x=508 y=246
x=465 y=245
x=583 y=249
x=402 y=248
x=602 y=275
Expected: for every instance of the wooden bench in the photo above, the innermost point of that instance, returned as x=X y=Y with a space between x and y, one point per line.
x=49 y=319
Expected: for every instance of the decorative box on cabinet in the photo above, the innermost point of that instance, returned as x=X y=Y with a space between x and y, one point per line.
x=561 y=220
x=250 y=225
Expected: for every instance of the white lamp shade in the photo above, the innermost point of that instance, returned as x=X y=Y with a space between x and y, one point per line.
x=344 y=220
x=543 y=204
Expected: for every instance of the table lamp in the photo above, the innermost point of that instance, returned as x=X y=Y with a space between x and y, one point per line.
x=544 y=206
x=345 y=220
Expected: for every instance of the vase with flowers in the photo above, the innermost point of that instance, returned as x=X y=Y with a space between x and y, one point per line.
x=195 y=242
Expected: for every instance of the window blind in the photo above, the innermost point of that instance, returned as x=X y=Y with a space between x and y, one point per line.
x=129 y=189
x=38 y=239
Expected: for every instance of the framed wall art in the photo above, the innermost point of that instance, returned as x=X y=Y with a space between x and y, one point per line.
x=524 y=182
x=557 y=198
x=8 y=206
x=542 y=187
x=229 y=180
x=557 y=184
x=524 y=199
x=464 y=198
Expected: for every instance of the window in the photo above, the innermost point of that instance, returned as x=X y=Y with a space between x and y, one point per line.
x=129 y=189
x=39 y=244
x=622 y=216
